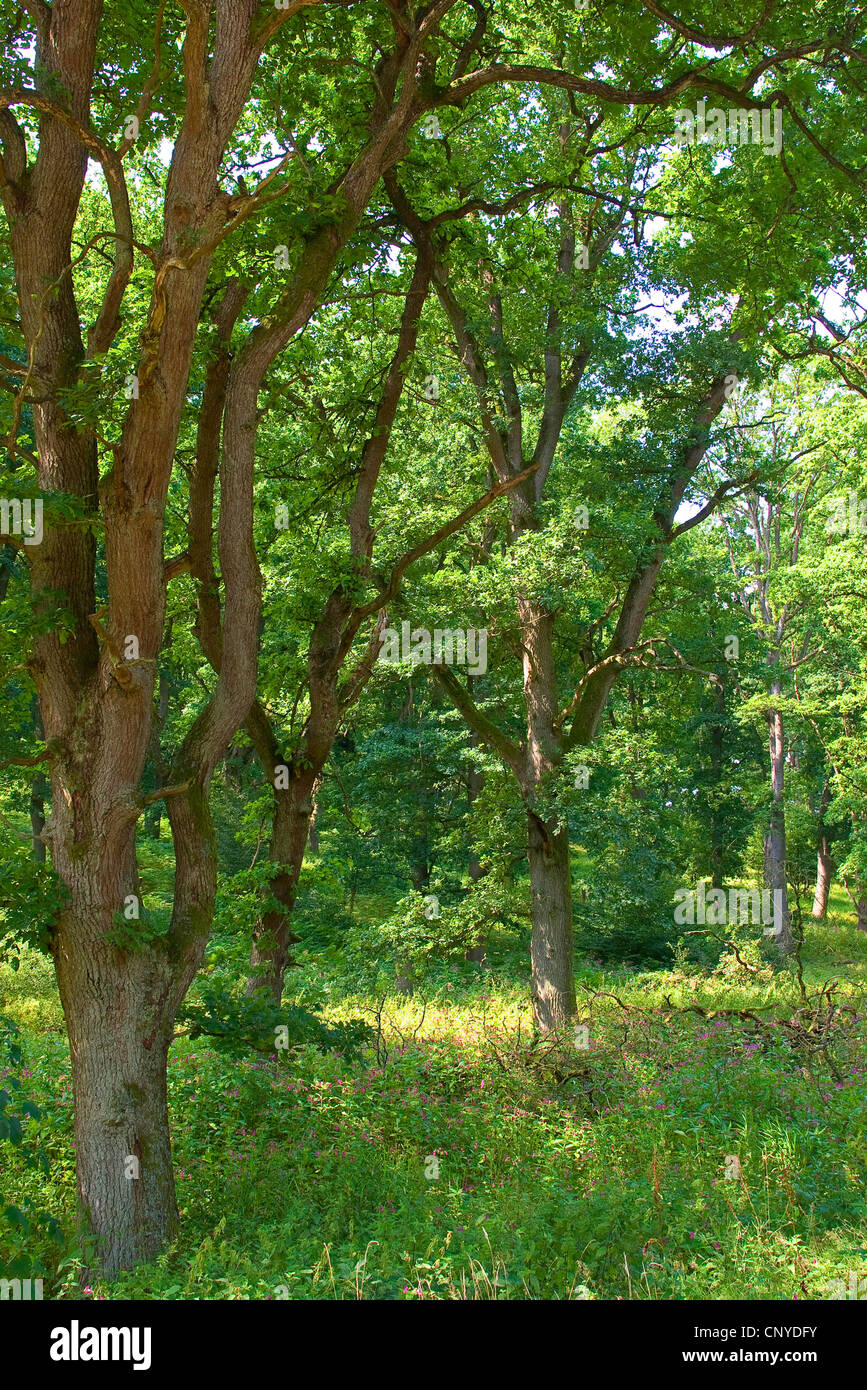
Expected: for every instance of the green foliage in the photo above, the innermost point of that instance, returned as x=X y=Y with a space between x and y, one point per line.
x=26 y=1224
x=422 y=802
x=31 y=896
x=625 y=912
x=238 y=1023
x=562 y=1174
x=424 y=930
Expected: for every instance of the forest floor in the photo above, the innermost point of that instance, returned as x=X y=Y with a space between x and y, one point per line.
x=704 y=1138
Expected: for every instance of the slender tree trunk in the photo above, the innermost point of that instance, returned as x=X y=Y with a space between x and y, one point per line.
x=330 y=645
x=313 y=837
x=824 y=874
x=548 y=738
x=475 y=782
x=716 y=852
x=716 y=763
x=38 y=792
x=767 y=869
x=776 y=839
x=273 y=935
x=824 y=862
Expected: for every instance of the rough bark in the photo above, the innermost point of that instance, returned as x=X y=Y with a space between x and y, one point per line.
x=551 y=949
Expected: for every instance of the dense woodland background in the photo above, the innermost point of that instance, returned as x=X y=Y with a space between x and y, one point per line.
x=329 y=976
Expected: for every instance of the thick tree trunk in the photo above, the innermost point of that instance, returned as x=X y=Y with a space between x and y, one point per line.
x=551 y=948
x=119 y=1039
x=120 y=1007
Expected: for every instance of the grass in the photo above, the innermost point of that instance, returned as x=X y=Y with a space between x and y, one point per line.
x=458 y=1160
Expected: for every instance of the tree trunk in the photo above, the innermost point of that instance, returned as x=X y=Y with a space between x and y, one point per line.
x=776 y=839
x=716 y=763
x=313 y=837
x=40 y=789
x=767 y=869
x=273 y=935
x=824 y=862
x=120 y=1005
x=38 y=792
x=119 y=1039
x=403 y=980
x=475 y=783
x=824 y=874
x=551 y=949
